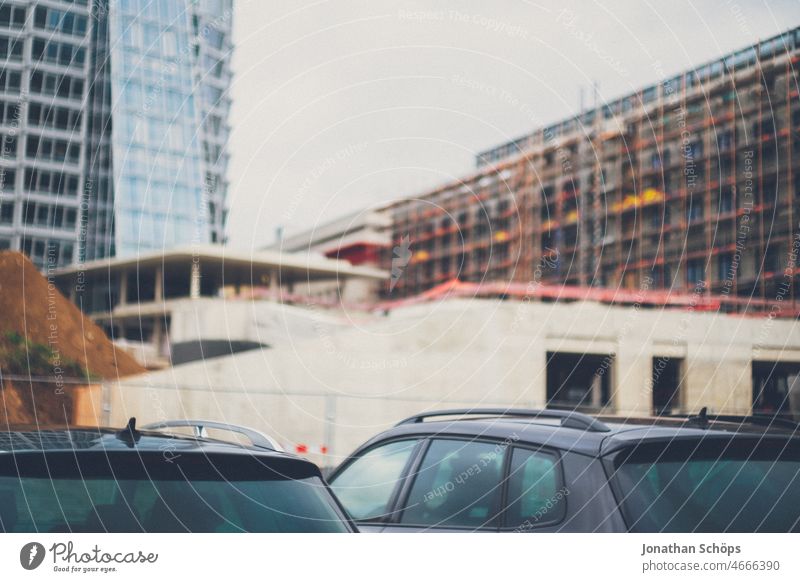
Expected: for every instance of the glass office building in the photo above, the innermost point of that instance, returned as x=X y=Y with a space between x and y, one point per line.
x=118 y=126
x=211 y=29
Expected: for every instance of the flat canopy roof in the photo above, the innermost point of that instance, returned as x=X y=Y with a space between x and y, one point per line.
x=231 y=266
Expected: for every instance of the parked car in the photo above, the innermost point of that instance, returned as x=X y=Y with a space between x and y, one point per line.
x=547 y=470
x=132 y=480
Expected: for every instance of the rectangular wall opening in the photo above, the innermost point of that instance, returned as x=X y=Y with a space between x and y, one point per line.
x=577 y=380
x=776 y=388
x=667 y=376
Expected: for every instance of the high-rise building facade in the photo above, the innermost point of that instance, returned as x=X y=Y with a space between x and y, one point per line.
x=44 y=84
x=211 y=33
x=115 y=126
x=690 y=185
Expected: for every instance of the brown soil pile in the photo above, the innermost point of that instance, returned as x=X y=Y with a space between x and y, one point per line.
x=33 y=307
x=45 y=336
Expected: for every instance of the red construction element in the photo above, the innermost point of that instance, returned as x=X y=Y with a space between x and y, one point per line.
x=358 y=253
x=631 y=297
x=728 y=304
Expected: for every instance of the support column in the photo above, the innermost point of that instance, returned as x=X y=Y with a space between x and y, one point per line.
x=123 y=288
x=597 y=391
x=194 y=283
x=156 y=339
x=158 y=286
x=632 y=373
x=274 y=283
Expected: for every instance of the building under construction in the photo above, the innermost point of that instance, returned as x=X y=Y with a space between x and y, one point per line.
x=682 y=195
x=687 y=187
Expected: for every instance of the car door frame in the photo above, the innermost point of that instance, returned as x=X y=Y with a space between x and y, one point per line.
x=557 y=454
x=394 y=524
x=379 y=523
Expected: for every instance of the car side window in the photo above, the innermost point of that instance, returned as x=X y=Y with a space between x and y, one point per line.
x=458 y=485
x=365 y=486
x=534 y=496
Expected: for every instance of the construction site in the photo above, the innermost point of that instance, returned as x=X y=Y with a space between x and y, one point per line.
x=615 y=236
x=638 y=258
x=686 y=186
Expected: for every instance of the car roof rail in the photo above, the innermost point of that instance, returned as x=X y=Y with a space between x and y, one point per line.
x=759 y=419
x=257 y=438
x=569 y=419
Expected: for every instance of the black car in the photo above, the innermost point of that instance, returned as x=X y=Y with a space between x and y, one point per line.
x=132 y=480
x=548 y=470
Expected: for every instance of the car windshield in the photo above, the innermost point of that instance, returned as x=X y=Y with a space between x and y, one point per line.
x=723 y=486
x=157 y=497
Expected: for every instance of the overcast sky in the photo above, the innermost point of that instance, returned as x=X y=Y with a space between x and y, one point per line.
x=341 y=105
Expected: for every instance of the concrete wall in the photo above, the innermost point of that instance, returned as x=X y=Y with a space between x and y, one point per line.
x=336 y=387
x=263 y=321
x=352 y=291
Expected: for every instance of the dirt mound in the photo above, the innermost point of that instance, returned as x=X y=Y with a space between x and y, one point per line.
x=48 y=348
x=32 y=308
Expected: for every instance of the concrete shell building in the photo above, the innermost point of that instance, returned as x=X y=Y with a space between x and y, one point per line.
x=199 y=302
x=323 y=393
x=114 y=127
x=360 y=239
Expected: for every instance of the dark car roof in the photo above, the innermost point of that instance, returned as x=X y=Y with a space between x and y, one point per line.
x=620 y=433
x=87 y=444
x=636 y=431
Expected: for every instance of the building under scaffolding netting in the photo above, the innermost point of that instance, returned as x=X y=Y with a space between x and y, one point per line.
x=688 y=185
